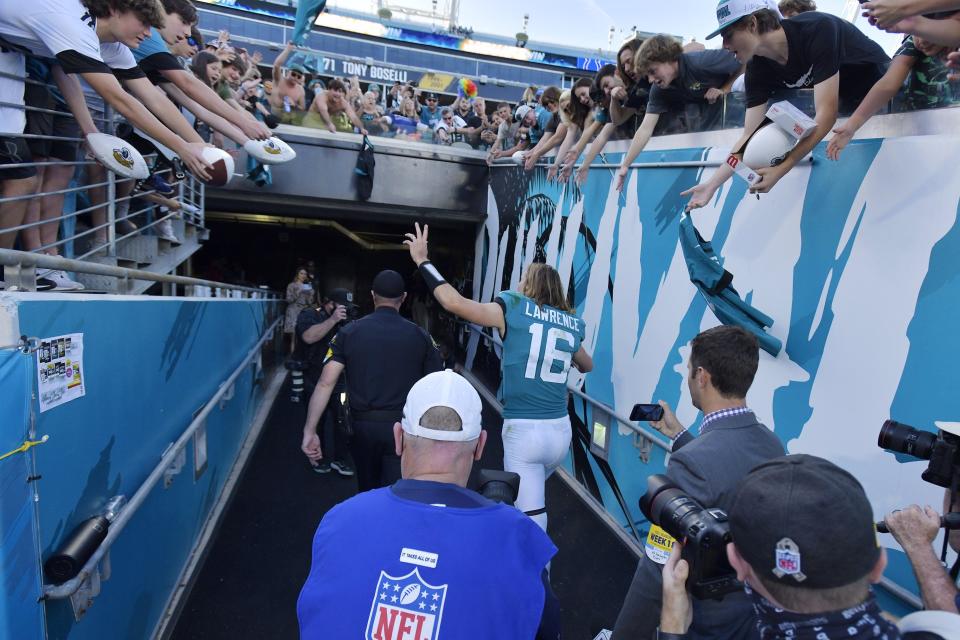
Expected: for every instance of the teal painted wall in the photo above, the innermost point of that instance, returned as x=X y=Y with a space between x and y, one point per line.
x=150 y=364
x=856 y=261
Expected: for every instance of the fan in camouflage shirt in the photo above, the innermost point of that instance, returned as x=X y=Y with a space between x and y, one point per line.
x=927 y=85
x=920 y=69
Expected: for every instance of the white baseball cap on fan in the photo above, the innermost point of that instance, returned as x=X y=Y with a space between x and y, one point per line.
x=729 y=11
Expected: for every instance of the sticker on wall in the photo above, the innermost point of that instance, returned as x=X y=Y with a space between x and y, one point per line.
x=60 y=370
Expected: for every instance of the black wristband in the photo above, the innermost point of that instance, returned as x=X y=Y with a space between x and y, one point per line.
x=661 y=635
x=431 y=275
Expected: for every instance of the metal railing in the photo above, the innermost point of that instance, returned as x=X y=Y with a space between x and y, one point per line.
x=507 y=162
x=169 y=459
x=20 y=272
x=119 y=208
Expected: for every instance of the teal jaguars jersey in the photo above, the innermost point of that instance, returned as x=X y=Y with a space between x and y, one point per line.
x=538 y=350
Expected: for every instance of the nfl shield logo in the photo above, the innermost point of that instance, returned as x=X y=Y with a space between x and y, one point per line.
x=788 y=560
x=406 y=608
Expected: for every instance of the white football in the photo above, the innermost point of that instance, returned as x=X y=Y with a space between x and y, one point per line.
x=222 y=163
x=768 y=147
x=270 y=151
x=410 y=594
x=518 y=157
x=118 y=156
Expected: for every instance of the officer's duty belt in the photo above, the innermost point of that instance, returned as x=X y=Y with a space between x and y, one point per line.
x=378 y=415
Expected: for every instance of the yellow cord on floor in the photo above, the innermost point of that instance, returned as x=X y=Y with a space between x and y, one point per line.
x=25 y=446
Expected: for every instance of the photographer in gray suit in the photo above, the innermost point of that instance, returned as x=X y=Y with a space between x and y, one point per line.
x=723 y=362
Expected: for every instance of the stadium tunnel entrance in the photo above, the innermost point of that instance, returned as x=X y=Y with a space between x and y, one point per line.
x=268 y=249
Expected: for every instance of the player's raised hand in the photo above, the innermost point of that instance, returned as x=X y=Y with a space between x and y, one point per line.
x=417 y=243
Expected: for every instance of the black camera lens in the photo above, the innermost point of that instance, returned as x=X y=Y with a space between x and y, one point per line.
x=497 y=492
x=667 y=506
x=901 y=438
x=498 y=486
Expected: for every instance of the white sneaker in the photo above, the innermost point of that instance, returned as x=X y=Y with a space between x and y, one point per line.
x=59 y=280
x=165 y=231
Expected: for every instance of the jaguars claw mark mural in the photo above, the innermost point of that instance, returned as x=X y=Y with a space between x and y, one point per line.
x=855 y=261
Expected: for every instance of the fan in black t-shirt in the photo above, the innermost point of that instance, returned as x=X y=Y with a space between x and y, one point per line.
x=820 y=46
x=812 y=49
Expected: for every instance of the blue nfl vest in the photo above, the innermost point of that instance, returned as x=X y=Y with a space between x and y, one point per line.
x=538 y=351
x=389 y=568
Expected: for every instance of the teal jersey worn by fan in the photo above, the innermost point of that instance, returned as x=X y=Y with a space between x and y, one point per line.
x=538 y=349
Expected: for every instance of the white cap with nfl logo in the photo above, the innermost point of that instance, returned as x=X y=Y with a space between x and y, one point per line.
x=443 y=389
x=729 y=11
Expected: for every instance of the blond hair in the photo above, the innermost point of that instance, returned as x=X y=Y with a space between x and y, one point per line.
x=541 y=283
x=565 y=98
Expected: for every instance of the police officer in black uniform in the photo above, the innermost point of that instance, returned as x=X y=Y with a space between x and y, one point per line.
x=315 y=328
x=383 y=355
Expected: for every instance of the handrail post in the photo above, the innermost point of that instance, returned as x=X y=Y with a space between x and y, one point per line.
x=111 y=214
x=201 y=191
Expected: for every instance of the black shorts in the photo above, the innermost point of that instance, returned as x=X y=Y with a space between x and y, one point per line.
x=14 y=150
x=47 y=124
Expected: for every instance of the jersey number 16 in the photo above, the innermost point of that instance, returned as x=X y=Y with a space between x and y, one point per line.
x=551 y=354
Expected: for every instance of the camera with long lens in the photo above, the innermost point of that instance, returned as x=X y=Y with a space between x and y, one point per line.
x=942 y=449
x=706 y=533
x=498 y=486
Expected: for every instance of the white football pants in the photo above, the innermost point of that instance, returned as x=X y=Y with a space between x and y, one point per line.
x=534 y=448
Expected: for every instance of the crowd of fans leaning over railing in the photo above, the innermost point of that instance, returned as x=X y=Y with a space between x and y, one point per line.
x=641 y=95
x=221 y=94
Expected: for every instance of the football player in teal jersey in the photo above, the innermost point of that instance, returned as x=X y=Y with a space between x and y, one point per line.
x=542 y=337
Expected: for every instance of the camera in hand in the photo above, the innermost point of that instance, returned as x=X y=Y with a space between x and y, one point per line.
x=705 y=533
x=344 y=298
x=498 y=486
x=942 y=449
x=353 y=312
x=648 y=412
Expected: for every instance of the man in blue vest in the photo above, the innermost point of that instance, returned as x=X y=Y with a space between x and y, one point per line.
x=426 y=555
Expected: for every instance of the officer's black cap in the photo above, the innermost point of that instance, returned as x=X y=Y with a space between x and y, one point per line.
x=340 y=296
x=389 y=284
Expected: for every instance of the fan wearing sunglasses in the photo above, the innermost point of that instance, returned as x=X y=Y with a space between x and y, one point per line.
x=288 y=94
